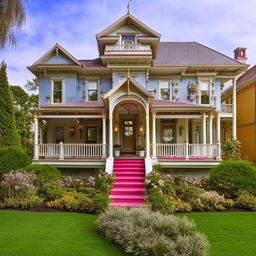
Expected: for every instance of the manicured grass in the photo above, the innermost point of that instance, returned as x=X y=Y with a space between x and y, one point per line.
x=230 y=234
x=41 y=234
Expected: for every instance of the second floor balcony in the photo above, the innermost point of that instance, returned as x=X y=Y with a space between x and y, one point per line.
x=227 y=108
x=128 y=50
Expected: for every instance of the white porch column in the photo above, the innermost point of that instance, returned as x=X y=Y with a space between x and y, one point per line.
x=234 y=110
x=104 y=135
x=218 y=137
x=204 y=128
x=154 y=135
x=210 y=128
x=36 y=149
x=147 y=133
x=110 y=136
x=186 y=137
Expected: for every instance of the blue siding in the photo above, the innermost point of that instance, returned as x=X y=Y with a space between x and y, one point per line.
x=71 y=89
x=44 y=90
x=61 y=59
x=141 y=79
x=217 y=93
x=183 y=92
x=105 y=85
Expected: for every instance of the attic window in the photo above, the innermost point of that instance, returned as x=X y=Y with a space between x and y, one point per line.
x=128 y=42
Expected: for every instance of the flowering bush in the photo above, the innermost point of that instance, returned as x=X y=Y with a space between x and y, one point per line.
x=103 y=182
x=180 y=206
x=30 y=201
x=246 y=201
x=52 y=190
x=188 y=193
x=73 y=201
x=17 y=183
x=209 y=200
x=74 y=182
x=231 y=149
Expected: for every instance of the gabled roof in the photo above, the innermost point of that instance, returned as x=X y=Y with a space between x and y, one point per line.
x=249 y=75
x=177 y=104
x=190 y=53
x=130 y=19
x=132 y=81
x=47 y=55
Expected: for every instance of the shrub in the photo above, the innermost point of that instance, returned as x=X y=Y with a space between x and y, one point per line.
x=17 y=183
x=181 y=206
x=103 y=182
x=231 y=149
x=159 y=201
x=157 y=168
x=13 y=158
x=52 y=191
x=246 y=201
x=231 y=178
x=143 y=232
x=73 y=201
x=24 y=203
x=209 y=200
x=44 y=172
x=228 y=203
x=189 y=193
x=100 y=202
x=74 y=182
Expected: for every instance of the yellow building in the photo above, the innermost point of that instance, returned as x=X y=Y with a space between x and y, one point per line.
x=246 y=113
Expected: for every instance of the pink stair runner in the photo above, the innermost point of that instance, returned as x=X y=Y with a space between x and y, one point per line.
x=128 y=188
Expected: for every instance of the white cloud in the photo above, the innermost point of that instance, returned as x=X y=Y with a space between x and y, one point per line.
x=222 y=25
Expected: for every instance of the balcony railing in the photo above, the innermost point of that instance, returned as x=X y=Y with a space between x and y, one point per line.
x=226 y=108
x=62 y=151
x=188 y=150
x=127 y=48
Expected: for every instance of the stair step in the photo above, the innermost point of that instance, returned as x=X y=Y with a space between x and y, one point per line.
x=132 y=197
x=129 y=179
x=132 y=204
x=134 y=184
x=129 y=168
x=129 y=174
x=127 y=191
x=140 y=165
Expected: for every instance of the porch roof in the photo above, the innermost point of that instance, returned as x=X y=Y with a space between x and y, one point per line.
x=88 y=104
x=178 y=104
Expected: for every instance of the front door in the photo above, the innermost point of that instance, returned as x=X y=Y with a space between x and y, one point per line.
x=129 y=136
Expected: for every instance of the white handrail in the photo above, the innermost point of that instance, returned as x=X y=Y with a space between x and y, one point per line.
x=187 y=150
x=71 y=150
x=127 y=47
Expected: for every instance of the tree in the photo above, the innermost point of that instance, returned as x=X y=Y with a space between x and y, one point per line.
x=12 y=18
x=32 y=85
x=8 y=132
x=23 y=102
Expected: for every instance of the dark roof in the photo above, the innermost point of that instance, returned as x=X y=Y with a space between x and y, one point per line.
x=88 y=104
x=92 y=63
x=177 y=104
x=246 y=77
x=190 y=53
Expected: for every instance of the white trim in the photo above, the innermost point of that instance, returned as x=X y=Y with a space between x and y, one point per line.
x=70 y=116
x=178 y=116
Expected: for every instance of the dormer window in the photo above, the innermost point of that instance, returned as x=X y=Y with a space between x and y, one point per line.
x=128 y=42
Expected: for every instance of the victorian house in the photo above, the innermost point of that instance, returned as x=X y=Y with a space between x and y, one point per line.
x=141 y=99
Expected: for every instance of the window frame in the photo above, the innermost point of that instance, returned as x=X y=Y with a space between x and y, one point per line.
x=88 y=90
x=209 y=81
x=53 y=80
x=169 y=88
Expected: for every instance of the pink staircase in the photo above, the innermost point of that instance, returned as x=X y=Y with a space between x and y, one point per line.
x=128 y=188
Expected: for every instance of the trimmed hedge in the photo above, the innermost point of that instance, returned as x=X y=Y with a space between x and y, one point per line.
x=44 y=173
x=13 y=158
x=232 y=178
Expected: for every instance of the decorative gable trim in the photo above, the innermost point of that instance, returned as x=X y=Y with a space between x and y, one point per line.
x=129 y=18
x=132 y=81
x=56 y=48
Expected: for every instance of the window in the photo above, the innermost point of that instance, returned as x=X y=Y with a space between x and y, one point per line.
x=165 y=91
x=91 y=133
x=57 y=91
x=92 y=91
x=128 y=128
x=205 y=92
x=128 y=42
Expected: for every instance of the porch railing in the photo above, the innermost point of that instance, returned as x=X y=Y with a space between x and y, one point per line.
x=127 y=47
x=226 y=108
x=188 y=150
x=71 y=150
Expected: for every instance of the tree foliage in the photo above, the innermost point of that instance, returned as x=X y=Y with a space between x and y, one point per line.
x=23 y=102
x=8 y=132
x=32 y=85
x=231 y=149
x=12 y=18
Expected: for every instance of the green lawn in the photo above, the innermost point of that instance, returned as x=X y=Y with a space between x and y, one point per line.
x=71 y=234
x=230 y=234
x=60 y=234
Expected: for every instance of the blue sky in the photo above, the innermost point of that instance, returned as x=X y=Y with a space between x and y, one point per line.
x=219 y=24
